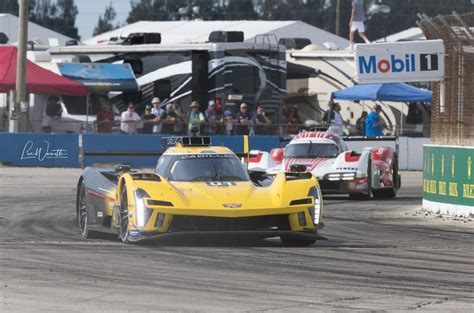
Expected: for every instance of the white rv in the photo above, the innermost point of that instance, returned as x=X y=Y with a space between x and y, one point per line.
x=253 y=72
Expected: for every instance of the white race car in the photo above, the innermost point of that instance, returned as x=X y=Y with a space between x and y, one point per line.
x=373 y=172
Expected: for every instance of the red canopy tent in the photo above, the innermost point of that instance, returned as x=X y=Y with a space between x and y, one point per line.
x=38 y=79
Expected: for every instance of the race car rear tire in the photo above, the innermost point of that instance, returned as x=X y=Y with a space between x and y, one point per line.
x=370 y=192
x=391 y=192
x=385 y=193
x=293 y=241
x=123 y=230
x=82 y=214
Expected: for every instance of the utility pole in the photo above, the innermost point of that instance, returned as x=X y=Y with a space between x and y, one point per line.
x=19 y=115
x=338 y=17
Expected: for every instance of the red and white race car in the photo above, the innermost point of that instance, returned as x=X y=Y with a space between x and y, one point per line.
x=374 y=171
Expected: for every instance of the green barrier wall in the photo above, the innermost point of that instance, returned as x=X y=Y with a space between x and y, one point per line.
x=448 y=174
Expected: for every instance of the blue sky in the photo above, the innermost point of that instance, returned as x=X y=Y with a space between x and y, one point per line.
x=90 y=10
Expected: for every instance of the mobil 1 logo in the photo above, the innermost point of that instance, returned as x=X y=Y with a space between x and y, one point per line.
x=428 y=62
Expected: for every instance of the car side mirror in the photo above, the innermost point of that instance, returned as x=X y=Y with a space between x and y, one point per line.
x=298 y=168
x=122 y=169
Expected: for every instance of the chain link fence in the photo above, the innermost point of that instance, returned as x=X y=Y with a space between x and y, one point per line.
x=452 y=120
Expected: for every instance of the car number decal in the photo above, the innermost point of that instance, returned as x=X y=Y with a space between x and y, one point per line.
x=220 y=183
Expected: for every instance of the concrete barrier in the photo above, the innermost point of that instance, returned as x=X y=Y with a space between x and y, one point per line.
x=63 y=150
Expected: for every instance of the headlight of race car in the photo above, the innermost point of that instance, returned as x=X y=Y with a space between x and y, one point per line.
x=141 y=211
x=318 y=204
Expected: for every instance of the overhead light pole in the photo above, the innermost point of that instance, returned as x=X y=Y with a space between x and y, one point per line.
x=19 y=117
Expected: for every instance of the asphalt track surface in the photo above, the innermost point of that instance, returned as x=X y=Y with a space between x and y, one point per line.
x=379 y=256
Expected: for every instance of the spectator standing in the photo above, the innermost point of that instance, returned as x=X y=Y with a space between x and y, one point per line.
x=105 y=119
x=195 y=118
x=156 y=111
x=356 y=22
x=179 y=126
x=360 y=124
x=243 y=120
x=261 y=121
x=374 y=124
x=228 y=121
x=129 y=120
x=336 y=124
x=211 y=118
x=168 y=119
x=292 y=119
x=148 y=119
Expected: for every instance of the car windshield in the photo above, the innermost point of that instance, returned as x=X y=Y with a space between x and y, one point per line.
x=311 y=150
x=201 y=167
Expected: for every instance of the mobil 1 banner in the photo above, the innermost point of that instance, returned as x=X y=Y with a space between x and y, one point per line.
x=400 y=62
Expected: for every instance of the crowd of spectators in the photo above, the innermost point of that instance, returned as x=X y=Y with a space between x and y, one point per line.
x=172 y=120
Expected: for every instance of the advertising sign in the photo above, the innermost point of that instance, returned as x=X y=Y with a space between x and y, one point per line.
x=101 y=77
x=448 y=175
x=41 y=150
x=399 y=62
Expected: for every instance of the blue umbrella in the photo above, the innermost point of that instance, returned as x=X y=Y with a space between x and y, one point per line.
x=398 y=92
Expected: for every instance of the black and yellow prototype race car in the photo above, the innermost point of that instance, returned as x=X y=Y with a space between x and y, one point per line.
x=199 y=188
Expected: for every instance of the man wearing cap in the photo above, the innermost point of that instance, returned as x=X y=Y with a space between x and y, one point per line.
x=211 y=118
x=156 y=111
x=244 y=120
x=195 y=117
x=148 y=119
x=129 y=120
x=168 y=119
x=374 y=124
x=228 y=121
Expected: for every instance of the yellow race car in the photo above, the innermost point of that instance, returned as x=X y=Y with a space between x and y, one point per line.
x=199 y=188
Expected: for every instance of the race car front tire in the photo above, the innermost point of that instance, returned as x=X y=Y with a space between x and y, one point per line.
x=123 y=230
x=82 y=214
x=294 y=241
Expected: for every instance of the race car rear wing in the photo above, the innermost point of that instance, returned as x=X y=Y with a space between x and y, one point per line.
x=359 y=142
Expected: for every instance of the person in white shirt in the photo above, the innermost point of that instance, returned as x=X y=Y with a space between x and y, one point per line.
x=337 y=123
x=157 y=111
x=129 y=120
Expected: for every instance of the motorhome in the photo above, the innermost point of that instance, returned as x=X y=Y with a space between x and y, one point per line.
x=331 y=70
x=225 y=69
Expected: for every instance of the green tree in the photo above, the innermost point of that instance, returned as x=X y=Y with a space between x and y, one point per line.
x=403 y=14
x=105 y=22
x=59 y=16
x=67 y=12
x=9 y=6
x=240 y=10
x=147 y=10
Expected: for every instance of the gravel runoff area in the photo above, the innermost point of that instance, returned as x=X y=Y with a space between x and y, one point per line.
x=379 y=255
